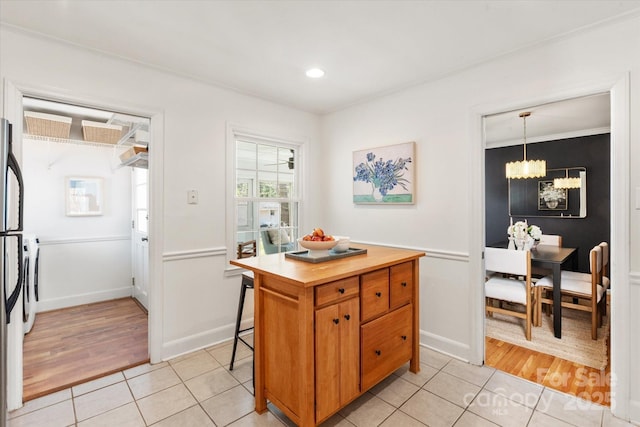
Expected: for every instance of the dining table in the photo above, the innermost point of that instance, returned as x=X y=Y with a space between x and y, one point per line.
x=554 y=258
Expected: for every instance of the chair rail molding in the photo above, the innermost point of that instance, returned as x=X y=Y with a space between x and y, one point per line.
x=194 y=253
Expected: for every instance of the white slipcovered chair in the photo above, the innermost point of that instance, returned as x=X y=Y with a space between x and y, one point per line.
x=581 y=286
x=551 y=239
x=505 y=268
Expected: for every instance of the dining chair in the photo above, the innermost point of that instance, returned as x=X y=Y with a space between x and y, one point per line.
x=605 y=264
x=504 y=268
x=588 y=293
x=245 y=250
x=551 y=239
x=605 y=274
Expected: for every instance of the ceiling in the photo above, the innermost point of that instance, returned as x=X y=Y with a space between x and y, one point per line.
x=262 y=48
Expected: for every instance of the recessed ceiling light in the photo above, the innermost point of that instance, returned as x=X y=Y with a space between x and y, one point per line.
x=315 y=73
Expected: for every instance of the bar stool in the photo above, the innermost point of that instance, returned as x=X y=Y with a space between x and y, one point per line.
x=245 y=250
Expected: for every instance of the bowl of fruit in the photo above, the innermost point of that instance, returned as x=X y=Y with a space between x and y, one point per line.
x=317 y=243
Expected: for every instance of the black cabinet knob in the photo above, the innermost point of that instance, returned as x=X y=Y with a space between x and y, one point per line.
x=336 y=321
x=378 y=294
x=378 y=352
x=341 y=290
x=404 y=337
x=403 y=284
x=347 y=316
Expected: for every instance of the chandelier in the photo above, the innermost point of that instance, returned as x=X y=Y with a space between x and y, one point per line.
x=526 y=168
x=566 y=182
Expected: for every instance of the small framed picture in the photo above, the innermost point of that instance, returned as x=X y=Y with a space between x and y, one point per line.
x=84 y=196
x=551 y=198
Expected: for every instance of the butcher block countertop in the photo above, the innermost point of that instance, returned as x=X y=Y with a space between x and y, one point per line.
x=306 y=274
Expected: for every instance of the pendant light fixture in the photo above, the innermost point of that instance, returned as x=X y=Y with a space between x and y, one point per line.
x=526 y=168
x=566 y=182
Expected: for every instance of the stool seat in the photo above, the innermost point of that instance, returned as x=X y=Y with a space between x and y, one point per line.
x=246 y=283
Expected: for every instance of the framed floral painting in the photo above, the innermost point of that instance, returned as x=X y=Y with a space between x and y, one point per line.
x=551 y=198
x=384 y=175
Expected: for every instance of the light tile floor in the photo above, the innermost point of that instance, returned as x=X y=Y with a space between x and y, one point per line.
x=197 y=389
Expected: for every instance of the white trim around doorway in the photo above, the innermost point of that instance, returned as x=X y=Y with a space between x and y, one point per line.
x=618 y=87
x=156 y=189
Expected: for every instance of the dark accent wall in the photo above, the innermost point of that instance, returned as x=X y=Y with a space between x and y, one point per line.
x=591 y=152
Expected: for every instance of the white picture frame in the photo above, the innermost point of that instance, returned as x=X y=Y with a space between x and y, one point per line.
x=84 y=196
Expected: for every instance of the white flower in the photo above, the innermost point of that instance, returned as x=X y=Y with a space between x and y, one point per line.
x=535 y=232
x=521 y=230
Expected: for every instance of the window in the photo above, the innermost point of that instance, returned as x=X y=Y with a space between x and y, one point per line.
x=266 y=193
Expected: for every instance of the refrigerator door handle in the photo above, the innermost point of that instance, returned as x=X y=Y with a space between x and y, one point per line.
x=12 y=164
x=13 y=297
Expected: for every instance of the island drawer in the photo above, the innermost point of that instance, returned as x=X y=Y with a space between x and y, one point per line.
x=401 y=282
x=386 y=345
x=374 y=295
x=338 y=290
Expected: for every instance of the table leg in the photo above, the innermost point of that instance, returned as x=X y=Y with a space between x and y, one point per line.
x=557 y=302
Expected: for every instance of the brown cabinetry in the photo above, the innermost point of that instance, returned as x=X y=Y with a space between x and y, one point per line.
x=386 y=345
x=326 y=333
x=337 y=356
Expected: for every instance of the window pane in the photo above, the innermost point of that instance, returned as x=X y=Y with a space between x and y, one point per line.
x=245 y=155
x=142 y=222
x=267 y=158
x=265 y=176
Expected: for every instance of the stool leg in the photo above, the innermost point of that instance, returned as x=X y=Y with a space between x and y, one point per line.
x=243 y=291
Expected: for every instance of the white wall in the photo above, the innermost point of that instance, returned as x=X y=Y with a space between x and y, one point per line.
x=439 y=117
x=83 y=259
x=197 y=301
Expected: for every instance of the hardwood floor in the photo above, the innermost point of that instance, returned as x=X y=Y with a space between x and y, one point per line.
x=559 y=374
x=73 y=345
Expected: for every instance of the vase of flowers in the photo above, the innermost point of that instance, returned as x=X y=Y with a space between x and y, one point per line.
x=383 y=175
x=524 y=235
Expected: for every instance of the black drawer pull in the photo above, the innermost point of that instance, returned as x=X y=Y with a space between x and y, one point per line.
x=403 y=284
x=378 y=294
x=404 y=337
x=341 y=290
x=336 y=321
x=378 y=352
x=347 y=316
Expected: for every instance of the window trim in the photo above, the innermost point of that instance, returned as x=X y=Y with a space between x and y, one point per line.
x=233 y=133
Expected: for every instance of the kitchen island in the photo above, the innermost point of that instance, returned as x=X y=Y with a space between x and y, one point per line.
x=327 y=332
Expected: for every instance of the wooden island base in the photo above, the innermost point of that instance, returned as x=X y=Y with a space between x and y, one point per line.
x=326 y=333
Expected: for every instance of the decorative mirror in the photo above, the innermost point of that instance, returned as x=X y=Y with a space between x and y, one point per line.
x=541 y=197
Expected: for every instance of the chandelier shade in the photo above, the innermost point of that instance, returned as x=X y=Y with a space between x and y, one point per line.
x=566 y=182
x=525 y=169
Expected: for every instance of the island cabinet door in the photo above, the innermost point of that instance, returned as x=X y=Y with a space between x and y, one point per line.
x=337 y=356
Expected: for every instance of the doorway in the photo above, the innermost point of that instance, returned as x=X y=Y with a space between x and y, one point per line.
x=87 y=169
x=582 y=221
x=620 y=148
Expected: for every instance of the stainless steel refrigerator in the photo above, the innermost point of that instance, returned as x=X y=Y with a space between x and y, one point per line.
x=11 y=216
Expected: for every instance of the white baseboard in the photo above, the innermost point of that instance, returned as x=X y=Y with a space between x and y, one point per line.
x=74 y=300
x=447 y=346
x=634 y=411
x=202 y=340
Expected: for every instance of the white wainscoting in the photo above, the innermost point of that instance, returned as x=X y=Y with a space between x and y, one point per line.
x=83 y=270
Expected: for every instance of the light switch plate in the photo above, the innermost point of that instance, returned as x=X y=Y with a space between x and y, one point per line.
x=638 y=198
x=192 y=197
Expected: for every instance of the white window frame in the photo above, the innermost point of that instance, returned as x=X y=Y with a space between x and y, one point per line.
x=235 y=132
